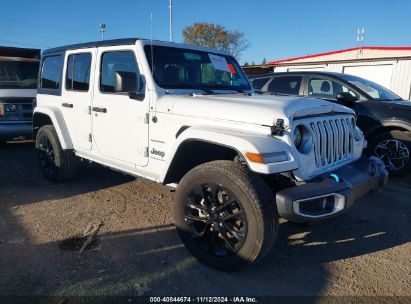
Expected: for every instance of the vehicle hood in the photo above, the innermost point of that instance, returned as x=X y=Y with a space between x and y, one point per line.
x=255 y=109
x=398 y=104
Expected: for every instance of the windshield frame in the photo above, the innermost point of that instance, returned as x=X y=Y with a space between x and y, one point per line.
x=8 y=84
x=199 y=86
x=350 y=79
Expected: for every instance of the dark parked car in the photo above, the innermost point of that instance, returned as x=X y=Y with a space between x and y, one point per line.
x=384 y=117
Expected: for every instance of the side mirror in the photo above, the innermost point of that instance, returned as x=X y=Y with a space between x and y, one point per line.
x=125 y=82
x=139 y=93
x=128 y=82
x=346 y=98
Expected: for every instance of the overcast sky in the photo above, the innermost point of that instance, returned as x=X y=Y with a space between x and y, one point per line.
x=275 y=29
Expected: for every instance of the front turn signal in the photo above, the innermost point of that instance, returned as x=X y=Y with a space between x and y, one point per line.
x=267 y=158
x=255 y=157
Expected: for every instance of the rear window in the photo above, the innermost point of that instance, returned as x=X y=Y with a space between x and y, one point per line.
x=51 y=71
x=288 y=85
x=258 y=83
x=18 y=74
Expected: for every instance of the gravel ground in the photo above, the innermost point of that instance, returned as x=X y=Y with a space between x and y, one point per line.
x=365 y=252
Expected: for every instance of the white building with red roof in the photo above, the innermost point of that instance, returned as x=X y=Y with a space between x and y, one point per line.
x=388 y=66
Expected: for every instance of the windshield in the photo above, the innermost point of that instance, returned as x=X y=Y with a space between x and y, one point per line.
x=376 y=91
x=18 y=75
x=176 y=68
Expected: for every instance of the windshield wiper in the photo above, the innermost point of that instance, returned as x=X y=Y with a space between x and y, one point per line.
x=208 y=91
x=199 y=88
x=227 y=87
x=275 y=93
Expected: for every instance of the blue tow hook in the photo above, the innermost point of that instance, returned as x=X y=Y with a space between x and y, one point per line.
x=335 y=178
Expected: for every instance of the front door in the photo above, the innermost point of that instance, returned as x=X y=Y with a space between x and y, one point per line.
x=328 y=89
x=120 y=127
x=77 y=95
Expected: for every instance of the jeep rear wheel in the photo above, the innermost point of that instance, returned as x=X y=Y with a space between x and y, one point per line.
x=225 y=215
x=56 y=164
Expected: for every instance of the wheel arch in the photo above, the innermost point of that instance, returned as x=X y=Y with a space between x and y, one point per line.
x=197 y=145
x=387 y=126
x=183 y=160
x=48 y=116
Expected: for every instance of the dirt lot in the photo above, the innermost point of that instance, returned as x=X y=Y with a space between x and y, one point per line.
x=364 y=252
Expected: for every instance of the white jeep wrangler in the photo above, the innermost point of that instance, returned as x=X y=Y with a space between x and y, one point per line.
x=187 y=117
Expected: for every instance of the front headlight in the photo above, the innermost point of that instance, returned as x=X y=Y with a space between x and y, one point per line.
x=303 y=139
x=297 y=136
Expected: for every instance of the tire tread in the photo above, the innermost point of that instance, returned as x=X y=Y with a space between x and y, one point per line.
x=68 y=160
x=261 y=194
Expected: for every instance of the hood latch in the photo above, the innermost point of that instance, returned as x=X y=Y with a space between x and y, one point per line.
x=278 y=128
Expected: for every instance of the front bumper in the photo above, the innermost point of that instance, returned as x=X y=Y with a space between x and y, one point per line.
x=332 y=194
x=9 y=131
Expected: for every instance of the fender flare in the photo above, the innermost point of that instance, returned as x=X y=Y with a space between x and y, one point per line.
x=399 y=124
x=238 y=141
x=59 y=124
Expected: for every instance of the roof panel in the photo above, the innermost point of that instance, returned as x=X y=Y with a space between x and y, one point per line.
x=6 y=51
x=123 y=41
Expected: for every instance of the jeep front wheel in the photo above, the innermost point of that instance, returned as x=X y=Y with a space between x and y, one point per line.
x=225 y=215
x=56 y=164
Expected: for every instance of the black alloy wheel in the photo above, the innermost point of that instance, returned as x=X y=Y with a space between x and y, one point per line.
x=216 y=219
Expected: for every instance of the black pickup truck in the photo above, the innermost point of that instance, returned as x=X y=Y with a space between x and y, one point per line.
x=384 y=117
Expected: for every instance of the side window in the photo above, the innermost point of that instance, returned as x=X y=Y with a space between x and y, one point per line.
x=288 y=85
x=78 y=72
x=258 y=83
x=112 y=62
x=319 y=87
x=326 y=88
x=51 y=71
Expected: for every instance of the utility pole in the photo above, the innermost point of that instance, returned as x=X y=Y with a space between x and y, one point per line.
x=171 y=20
x=102 y=30
x=360 y=39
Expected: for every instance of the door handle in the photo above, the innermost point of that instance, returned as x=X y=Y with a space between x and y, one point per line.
x=100 y=110
x=67 y=105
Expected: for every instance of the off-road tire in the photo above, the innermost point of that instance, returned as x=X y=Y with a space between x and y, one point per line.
x=257 y=200
x=63 y=166
x=404 y=137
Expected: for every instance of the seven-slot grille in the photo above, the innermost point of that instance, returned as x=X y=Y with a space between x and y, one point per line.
x=333 y=139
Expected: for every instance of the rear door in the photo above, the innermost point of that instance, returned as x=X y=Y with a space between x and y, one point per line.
x=259 y=83
x=77 y=96
x=286 y=85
